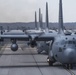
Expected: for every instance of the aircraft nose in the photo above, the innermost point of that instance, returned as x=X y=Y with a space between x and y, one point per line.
x=69 y=54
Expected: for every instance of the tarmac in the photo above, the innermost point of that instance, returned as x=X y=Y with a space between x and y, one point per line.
x=26 y=61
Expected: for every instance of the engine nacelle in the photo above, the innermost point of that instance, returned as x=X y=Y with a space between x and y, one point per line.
x=14 y=47
x=32 y=44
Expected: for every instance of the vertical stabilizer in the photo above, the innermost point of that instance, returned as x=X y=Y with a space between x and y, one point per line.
x=47 y=21
x=36 y=21
x=39 y=19
x=60 y=17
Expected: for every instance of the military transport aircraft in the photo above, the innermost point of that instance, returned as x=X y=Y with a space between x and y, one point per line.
x=38 y=28
x=43 y=46
x=37 y=31
x=63 y=47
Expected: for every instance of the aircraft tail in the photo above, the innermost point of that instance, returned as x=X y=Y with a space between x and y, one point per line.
x=41 y=21
x=47 y=21
x=40 y=26
x=60 y=18
x=36 y=27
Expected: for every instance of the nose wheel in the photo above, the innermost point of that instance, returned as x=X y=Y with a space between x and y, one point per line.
x=50 y=62
x=69 y=66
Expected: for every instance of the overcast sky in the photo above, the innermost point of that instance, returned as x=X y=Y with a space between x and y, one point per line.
x=23 y=10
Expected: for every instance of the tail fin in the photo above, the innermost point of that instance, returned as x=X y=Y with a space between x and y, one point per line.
x=36 y=20
x=60 y=17
x=39 y=19
x=47 y=21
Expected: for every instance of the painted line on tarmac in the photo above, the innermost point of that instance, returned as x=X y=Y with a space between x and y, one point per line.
x=2 y=49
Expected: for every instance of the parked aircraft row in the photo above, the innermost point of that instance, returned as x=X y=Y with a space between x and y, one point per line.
x=62 y=47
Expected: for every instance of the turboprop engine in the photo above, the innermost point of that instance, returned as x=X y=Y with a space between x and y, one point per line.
x=32 y=43
x=14 y=46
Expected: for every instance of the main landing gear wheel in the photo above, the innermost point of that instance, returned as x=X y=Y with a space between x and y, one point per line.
x=50 y=62
x=39 y=52
x=69 y=66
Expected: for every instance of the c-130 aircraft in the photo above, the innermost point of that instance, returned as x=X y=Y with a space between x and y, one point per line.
x=63 y=47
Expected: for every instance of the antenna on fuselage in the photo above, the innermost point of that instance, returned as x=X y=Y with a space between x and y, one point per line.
x=36 y=27
x=47 y=20
x=60 y=18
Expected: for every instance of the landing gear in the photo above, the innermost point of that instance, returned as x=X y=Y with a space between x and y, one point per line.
x=39 y=51
x=50 y=62
x=69 y=66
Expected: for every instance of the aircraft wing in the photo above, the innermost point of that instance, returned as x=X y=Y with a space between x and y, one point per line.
x=46 y=37
x=16 y=37
x=14 y=32
x=25 y=37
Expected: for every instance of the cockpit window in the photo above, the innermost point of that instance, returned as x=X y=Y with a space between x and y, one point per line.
x=63 y=42
x=71 y=42
x=74 y=42
x=68 y=42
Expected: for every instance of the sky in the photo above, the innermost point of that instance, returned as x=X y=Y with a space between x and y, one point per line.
x=24 y=10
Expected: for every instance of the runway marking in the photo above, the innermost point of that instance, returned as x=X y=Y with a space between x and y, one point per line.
x=20 y=54
x=21 y=66
x=2 y=49
x=20 y=48
x=69 y=70
x=37 y=65
x=36 y=62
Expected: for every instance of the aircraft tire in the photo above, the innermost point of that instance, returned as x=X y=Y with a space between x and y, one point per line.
x=71 y=66
x=39 y=52
x=67 y=66
x=50 y=63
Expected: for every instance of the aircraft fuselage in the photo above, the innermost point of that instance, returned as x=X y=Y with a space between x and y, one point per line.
x=64 y=49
